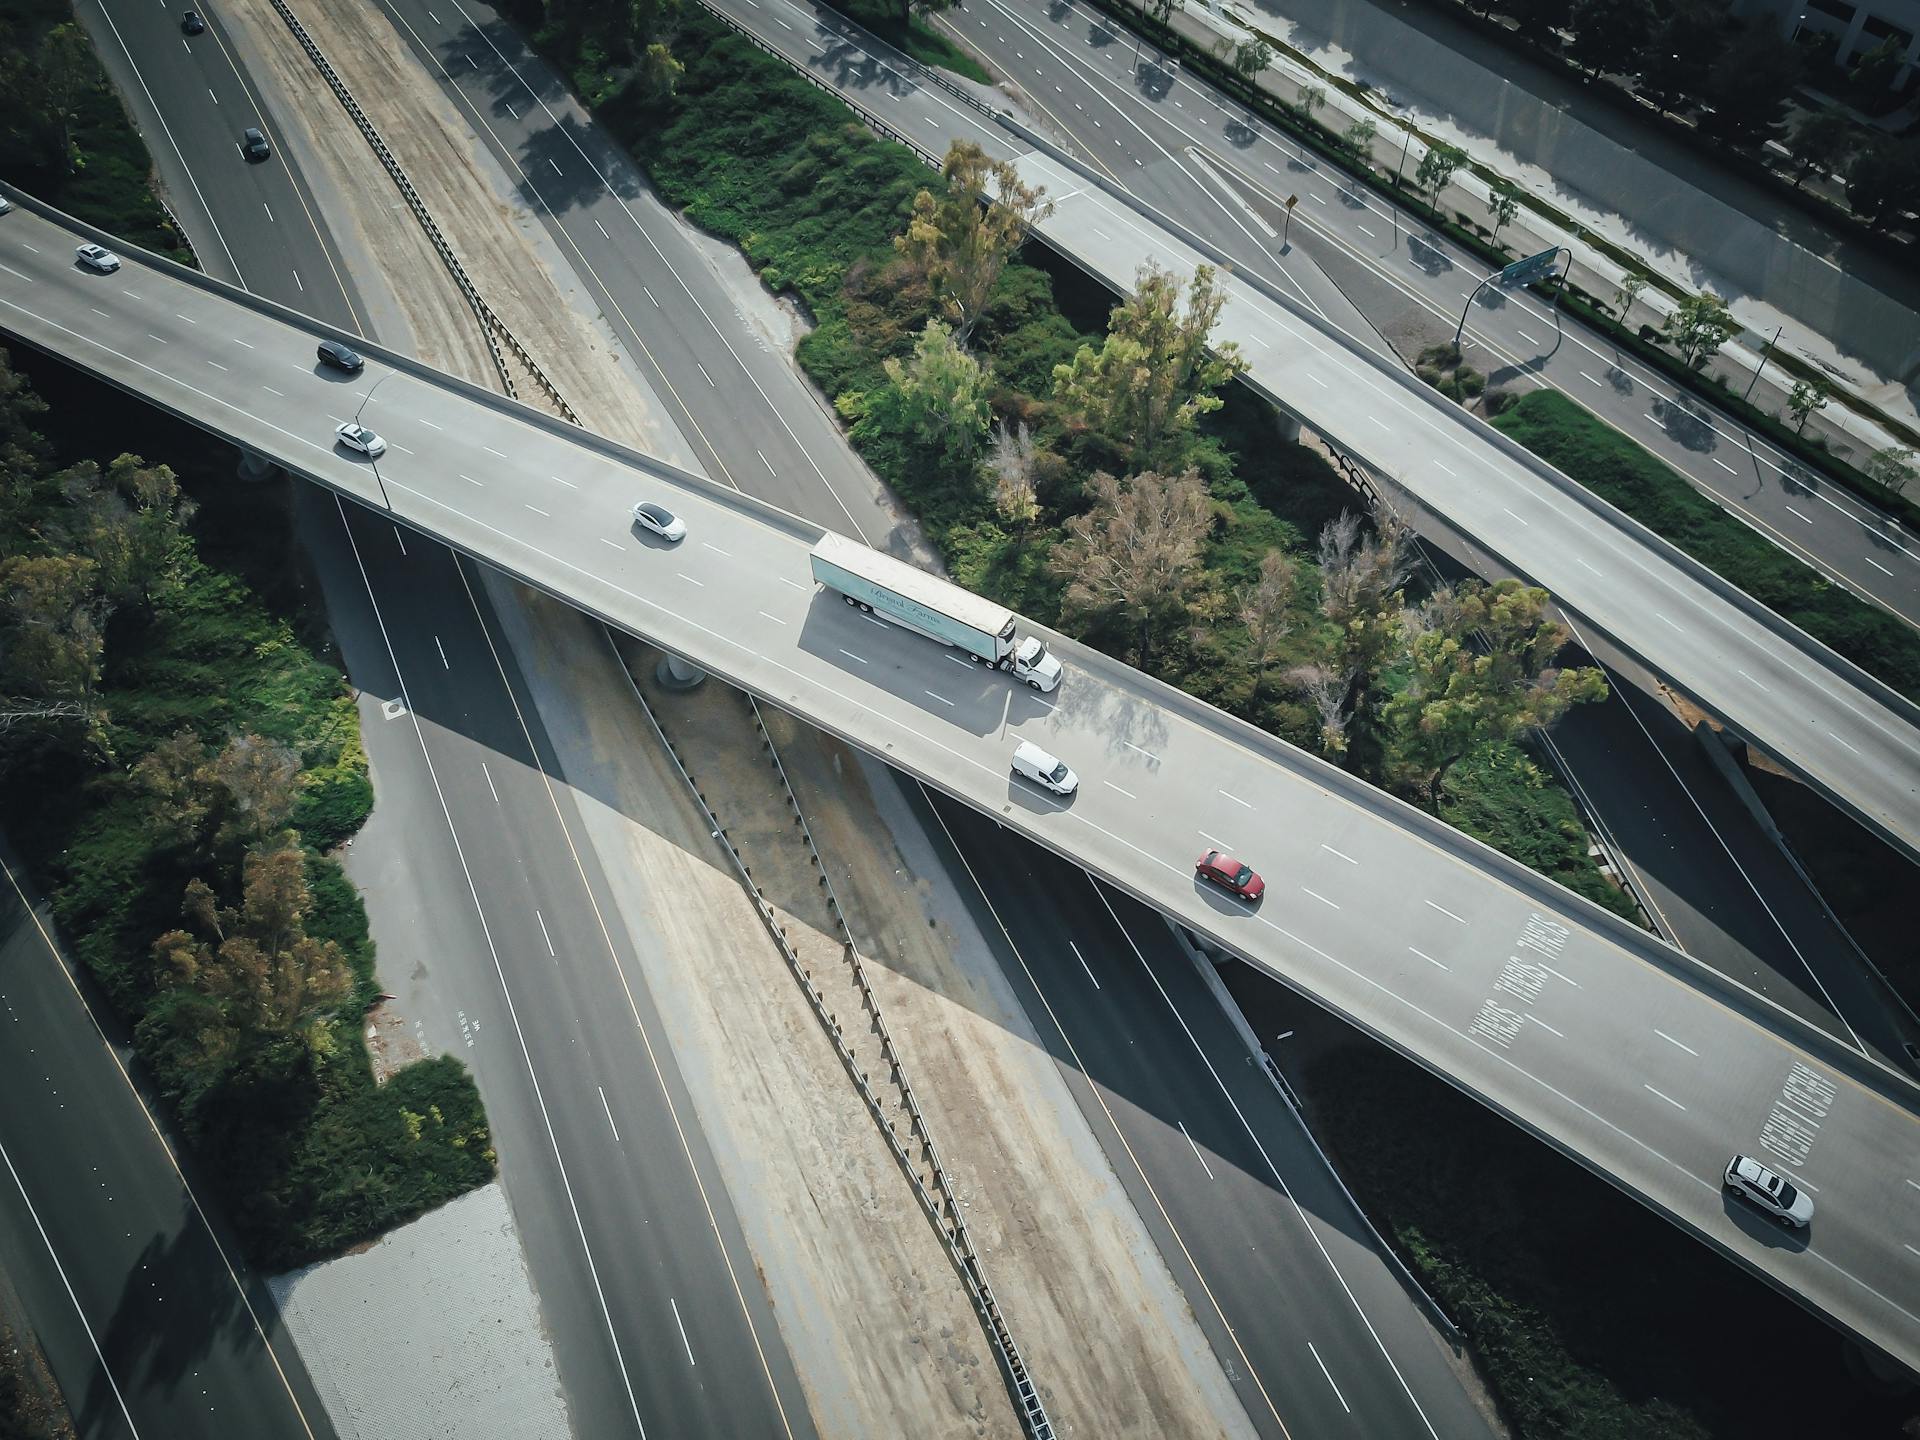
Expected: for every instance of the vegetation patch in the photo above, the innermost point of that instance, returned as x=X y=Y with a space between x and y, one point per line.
x=1620 y=472
x=174 y=761
x=905 y=24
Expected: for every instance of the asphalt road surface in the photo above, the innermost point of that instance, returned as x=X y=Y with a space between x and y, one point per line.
x=1849 y=737
x=150 y=1320
x=1561 y=1016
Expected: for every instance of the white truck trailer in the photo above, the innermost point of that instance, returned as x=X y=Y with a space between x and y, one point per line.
x=903 y=595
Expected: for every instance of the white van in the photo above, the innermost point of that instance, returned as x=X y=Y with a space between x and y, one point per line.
x=1043 y=769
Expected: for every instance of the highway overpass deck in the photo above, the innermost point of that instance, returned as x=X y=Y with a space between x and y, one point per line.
x=1595 y=1036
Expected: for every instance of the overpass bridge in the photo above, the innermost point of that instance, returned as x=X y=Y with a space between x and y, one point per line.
x=1621 y=1052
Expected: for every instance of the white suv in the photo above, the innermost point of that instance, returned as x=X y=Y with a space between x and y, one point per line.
x=1755 y=1182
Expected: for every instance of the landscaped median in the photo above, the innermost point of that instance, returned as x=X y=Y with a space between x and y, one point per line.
x=1621 y=473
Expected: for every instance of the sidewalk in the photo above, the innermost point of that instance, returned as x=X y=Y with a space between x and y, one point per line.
x=1770 y=279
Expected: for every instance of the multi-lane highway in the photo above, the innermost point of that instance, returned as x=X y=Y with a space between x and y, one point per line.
x=1574 y=1023
x=1847 y=734
x=149 y=1317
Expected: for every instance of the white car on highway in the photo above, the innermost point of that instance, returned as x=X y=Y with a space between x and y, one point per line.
x=660 y=520
x=1754 y=1182
x=97 y=257
x=358 y=437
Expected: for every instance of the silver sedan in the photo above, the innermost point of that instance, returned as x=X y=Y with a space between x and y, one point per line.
x=358 y=437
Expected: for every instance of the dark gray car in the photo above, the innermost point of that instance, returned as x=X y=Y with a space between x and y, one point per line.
x=333 y=353
x=254 y=145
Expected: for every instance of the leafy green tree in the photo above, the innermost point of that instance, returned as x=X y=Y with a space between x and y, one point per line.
x=963 y=238
x=1136 y=552
x=65 y=72
x=1364 y=569
x=1808 y=399
x=1891 y=467
x=1480 y=662
x=657 y=74
x=52 y=635
x=1358 y=137
x=1610 y=35
x=1264 y=608
x=1688 y=38
x=1503 y=200
x=1699 y=326
x=209 y=802
x=1437 y=169
x=1312 y=98
x=1822 y=141
x=1250 y=58
x=127 y=520
x=1156 y=372
x=935 y=401
x=1627 y=294
x=1883 y=181
x=1748 y=88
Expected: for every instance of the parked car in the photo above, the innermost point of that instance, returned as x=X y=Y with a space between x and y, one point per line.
x=1230 y=875
x=5 y=204
x=97 y=257
x=1771 y=1193
x=1044 y=769
x=358 y=437
x=660 y=520
x=333 y=353
x=191 y=23
x=254 y=145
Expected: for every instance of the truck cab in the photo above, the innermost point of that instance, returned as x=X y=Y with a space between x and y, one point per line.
x=1031 y=662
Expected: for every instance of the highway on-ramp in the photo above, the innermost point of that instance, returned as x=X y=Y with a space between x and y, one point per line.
x=1599 y=1039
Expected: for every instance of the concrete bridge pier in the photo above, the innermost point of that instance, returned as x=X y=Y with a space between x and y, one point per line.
x=254 y=466
x=676 y=674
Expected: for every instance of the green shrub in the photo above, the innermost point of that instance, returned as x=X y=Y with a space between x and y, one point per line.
x=1620 y=472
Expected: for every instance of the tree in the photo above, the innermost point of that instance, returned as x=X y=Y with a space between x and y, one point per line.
x=1010 y=460
x=209 y=802
x=963 y=238
x=1686 y=42
x=1358 y=138
x=1437 y=169
x=1161 y=11
x=1891 y=467
x=1481 y=668
x=1821 y=141
x=1363 y=569
x=910 y=8
x=657 y=75
x=256 y=960
x=1136 y=552
x=1699 y=326
x=1264 y=606
x=1748 y=88
x=1627 y=293
x=1807 y=399
x=52 y=634
x=127 y=521
x=935 y=403
x=1883 y=181
x=1312 y=98
x=67 y=71
x=1155 y=374
x=1250 y=58
x=1610 y=35
x=1504 y=201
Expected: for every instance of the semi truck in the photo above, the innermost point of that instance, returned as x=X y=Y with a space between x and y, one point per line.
x=899 y=594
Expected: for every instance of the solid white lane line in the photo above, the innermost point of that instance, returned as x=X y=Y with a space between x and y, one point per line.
x=1111 y=786
x=1196 y=1149
x=544 y=935
x=851 y=656
x=490 y=786
x=1318 y=896
x=1668 y=1098
x=443 y=653
x=1443 y=910
x=1083 y=963
x=683 y=1331
x=1681 y=1043
x=1235 y=798
x=609 y=1109
x=1429 y=959
x=1329 y=1374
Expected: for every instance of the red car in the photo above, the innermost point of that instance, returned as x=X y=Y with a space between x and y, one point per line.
x=1229 y=874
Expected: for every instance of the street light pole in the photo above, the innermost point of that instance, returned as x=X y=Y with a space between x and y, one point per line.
x=367 y=400
x=1766 y=354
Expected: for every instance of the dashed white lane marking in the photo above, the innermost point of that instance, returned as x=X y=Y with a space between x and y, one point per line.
x=1318 y=381
x=1876 y=564
x=775 y=618
x=216 y=365
x=1585 y=566
x=271 y=391
x=1236 y=799
x=1546 y=1027
x=241 y=343
x=1588 y=378
x=401 y=541
x=1526 y=337
x=1832 y=736
x=478 y=484
x=1438 y=465
x=538 y=511
x=1668 y=1098
x=697 y=584
x=1429 y=959
x=1314 y=195
x=490 y=787
x=794 y=583
x=1337 y=855
x=766 y=462
x=656 y=303
x=1196 y=1151
x=1138 y=751
x=1083 y=963
x=155 y=338
x=555 y=163
x=1798 y=516
x=703 y=374
x=443 y=653
x=1521 y=518
x=544 y=935
x=1665 y=621
x=941 y=698
x=1366 y=232
x=1330 y=904
x=498 y=454
x=851 y=656
x=1750 y=680
x=616 y=545
x=1215 y=840
x=428 y=423
x=1111 y=786
x=1723 y=465
x=670 y=1301
x=704 y=545
x=1443 y=910
x=188 y=318
x=1329 y=1374
x=1681 y=1043
x=558 y=481
x=609 y=1109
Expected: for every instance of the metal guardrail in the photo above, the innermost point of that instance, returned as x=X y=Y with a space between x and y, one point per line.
x=939 y=1203
x=492 y=327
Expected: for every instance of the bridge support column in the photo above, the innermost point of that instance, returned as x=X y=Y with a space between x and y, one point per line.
x=676 y=674
x=255 y=467
x=1289 y=426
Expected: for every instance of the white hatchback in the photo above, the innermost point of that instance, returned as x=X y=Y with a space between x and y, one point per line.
x=660 y=520
x=358 y=437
